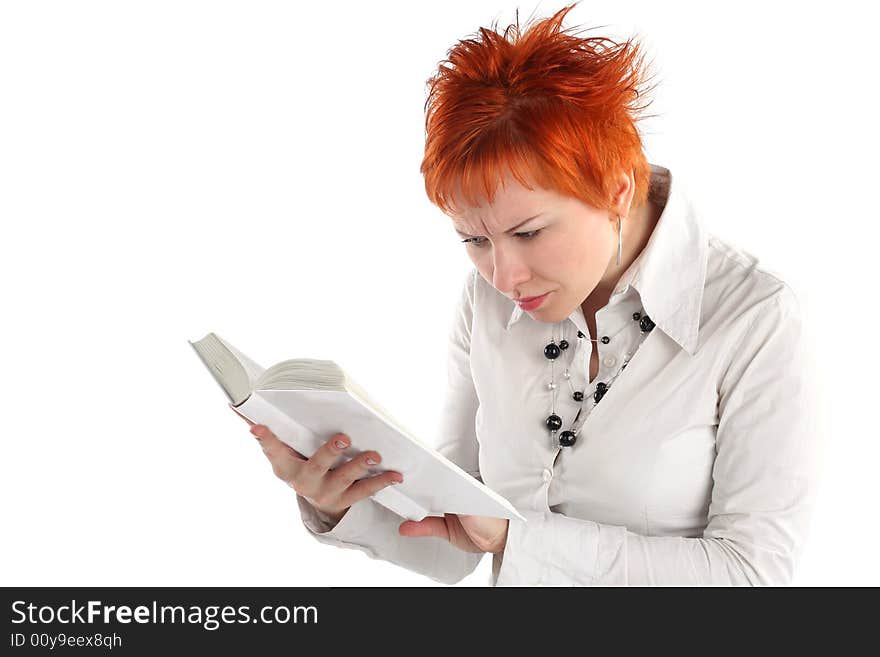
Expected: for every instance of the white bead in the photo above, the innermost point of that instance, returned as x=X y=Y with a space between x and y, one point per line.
x=566 y=375
x=551 y=386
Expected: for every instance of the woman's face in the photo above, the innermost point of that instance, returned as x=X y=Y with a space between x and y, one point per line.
x=568 y=256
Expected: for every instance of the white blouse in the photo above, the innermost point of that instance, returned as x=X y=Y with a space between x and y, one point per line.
x=697 y=466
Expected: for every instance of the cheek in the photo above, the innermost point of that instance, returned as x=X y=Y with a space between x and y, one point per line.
x=566 y=253
x=578 y=259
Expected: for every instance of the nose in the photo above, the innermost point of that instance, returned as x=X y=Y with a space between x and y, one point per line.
x=509 y=271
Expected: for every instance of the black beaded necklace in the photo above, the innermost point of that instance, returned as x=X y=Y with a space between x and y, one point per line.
x=552 y=351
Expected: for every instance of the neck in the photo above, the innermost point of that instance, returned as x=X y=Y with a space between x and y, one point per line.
x=637 y=229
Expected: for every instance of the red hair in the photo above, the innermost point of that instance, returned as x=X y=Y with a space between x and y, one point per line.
x=546 y=105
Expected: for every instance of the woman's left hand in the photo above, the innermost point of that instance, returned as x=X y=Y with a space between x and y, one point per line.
x=468 y=533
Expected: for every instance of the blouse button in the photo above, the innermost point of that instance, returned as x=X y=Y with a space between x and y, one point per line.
x=609 y=361
x=605 y=339
x=548 y=475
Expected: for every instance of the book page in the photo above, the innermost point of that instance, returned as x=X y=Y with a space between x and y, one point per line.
x=251 y=368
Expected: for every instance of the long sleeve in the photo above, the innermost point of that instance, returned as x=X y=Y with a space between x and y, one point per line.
x=373 y=529
x=765 y=477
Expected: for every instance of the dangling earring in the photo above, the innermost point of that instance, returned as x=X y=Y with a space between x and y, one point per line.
x=619 y=239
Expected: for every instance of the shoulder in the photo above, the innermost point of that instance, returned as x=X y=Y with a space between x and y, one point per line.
x=739 y=286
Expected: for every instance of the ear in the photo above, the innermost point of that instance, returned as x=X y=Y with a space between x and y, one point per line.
x=623 y=195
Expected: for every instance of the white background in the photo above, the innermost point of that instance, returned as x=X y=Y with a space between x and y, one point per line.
x=252 y=168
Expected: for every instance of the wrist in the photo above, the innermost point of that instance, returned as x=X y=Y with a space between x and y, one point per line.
x=502 y=542
x=336 y=516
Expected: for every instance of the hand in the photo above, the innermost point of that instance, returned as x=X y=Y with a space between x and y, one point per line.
x=468 y=533
x=330 y=490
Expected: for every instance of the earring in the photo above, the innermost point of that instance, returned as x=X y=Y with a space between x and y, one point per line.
x=619 y=239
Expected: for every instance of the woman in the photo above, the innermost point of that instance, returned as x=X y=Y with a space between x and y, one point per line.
x=696 y=465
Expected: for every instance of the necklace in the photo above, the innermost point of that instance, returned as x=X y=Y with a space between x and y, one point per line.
x=552 y=351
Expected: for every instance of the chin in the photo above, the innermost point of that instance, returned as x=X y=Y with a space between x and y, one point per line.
x=548 y=315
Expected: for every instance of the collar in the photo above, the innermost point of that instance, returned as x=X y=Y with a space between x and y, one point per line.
x=670 y=272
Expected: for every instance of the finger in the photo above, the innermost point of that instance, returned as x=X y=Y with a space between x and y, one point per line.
x=356 y=468
x=326 y=456
x=430 y=526
x=369 y=486
x=267 y=438
x=264 y=435
x=286 y=461
x=313 y=474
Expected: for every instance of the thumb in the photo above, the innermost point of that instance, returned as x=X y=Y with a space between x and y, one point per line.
x=430 y=526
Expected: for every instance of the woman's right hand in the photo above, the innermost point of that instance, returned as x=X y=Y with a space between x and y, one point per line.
x=330 y=490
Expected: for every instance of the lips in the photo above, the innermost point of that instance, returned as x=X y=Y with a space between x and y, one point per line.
x=527 y=299
x=536 y=302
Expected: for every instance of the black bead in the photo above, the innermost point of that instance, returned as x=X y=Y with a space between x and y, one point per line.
x=554 y=422
x=551 y=351
x=605 y=339
x=567 y=438
x=637 y=316
x=646 y=324
x=578 y=396
x=581 y=334
x=600 y=392
x=563 y=344
x=602 y=386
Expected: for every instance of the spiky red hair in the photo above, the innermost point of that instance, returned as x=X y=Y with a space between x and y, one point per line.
x=545 y=105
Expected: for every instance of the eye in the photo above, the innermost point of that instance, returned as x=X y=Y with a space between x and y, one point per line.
x=525 y=236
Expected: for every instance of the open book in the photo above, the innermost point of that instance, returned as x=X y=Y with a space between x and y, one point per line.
x=305 y=401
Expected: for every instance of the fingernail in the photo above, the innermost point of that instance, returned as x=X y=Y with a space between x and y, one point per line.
x=371 y=460
x=340 y=444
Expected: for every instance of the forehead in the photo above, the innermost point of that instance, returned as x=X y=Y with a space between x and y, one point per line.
x=512 y=204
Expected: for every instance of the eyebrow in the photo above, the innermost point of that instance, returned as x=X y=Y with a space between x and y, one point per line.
x=510 y=230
